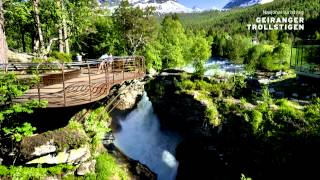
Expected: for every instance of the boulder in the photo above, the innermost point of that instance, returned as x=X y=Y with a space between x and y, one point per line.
x=19 y=57
x=295 y=95
x=129 y=96
x=47 y=148
x=74 y=156
x=51 y=142
x=86 y=168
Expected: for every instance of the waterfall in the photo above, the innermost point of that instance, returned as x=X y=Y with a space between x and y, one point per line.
x=142 y=139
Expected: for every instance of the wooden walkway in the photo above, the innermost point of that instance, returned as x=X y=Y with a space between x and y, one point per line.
x=80 y=83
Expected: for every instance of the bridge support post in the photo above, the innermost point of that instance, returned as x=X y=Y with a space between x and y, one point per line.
x=39 y=96
x=112 y=70
x=106 y=67
x=64 y=86
x=89 y=82
x=123 y=63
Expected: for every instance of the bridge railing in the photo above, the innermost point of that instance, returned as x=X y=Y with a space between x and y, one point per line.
x=76 y=83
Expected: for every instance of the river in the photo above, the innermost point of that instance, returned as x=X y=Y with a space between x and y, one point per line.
x=141 y=138
x=218 y=66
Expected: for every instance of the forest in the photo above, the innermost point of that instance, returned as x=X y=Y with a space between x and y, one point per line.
x=61 y=29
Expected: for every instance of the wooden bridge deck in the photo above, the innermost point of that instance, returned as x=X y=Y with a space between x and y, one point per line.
x=85 y=82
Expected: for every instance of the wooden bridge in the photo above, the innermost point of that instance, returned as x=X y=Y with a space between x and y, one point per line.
x=78 y=83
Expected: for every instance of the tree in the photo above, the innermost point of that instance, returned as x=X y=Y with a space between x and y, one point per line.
x=3 y=41
x=136 y=27
x=39 y=42
x=175 y=43
x=199 y=52
x=153 y=56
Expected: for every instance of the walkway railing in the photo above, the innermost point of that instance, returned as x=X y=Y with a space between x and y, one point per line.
x=76 y=83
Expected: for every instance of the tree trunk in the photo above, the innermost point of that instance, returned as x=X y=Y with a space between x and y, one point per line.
x=23 y=39
x=61 y=44
x=38 y=25
x=3 y=41
x=65 y=31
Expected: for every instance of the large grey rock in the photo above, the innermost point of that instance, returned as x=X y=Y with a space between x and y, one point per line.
x=74 y=156
x=86 y=168
x=129 y=96
x=19 y=57
x=47 y=148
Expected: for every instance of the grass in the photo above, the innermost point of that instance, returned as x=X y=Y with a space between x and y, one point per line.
x=27 y=173
x=107 y=168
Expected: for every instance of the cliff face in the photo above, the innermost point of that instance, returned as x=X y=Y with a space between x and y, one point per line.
x=197 y=155
x=177 y=111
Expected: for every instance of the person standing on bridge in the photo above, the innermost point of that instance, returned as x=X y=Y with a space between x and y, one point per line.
x=106 y=60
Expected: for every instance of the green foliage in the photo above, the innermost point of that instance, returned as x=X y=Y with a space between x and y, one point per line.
x=10 y=88
x=199 y=52
x=18 y=132
x=134 y=26
x=234 y=20
x=257 y=118
x=174 y=41
x=312 y=111
x=153 y=55
x=11 y=121
x=26 y=173
x=95 y=124
x=243 y=177
x=101 y=39
x=61 y=57
x=107 y=168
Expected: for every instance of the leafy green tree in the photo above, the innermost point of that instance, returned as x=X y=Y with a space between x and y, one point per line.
x=175 y=43
x=13 y=125
x=100 y=39
x=135 y=26
x=199 y=52
x=153 y=55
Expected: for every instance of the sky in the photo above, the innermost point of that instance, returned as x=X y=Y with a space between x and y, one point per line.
x=204 y=4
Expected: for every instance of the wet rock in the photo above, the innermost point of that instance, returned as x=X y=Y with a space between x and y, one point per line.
x=86 y=168
x=272 y=90
x=279 y=94
x=130 y=94
x=137 y=169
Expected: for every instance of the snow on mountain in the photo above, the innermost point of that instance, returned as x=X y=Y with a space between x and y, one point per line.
x=244 y=3
x=197 y=9
x=161 y=6
x=165 y=7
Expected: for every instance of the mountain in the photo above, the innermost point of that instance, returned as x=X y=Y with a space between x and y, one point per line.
x=161 y=6
x=243 y=3
x=164 y=7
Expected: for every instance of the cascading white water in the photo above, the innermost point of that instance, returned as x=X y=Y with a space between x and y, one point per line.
x=141 y=139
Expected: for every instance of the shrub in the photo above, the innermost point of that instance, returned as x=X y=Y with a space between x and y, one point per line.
x=27 y=173
x=257 y=118
x=107 y=168
x=186 y=85
x=61 y=57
